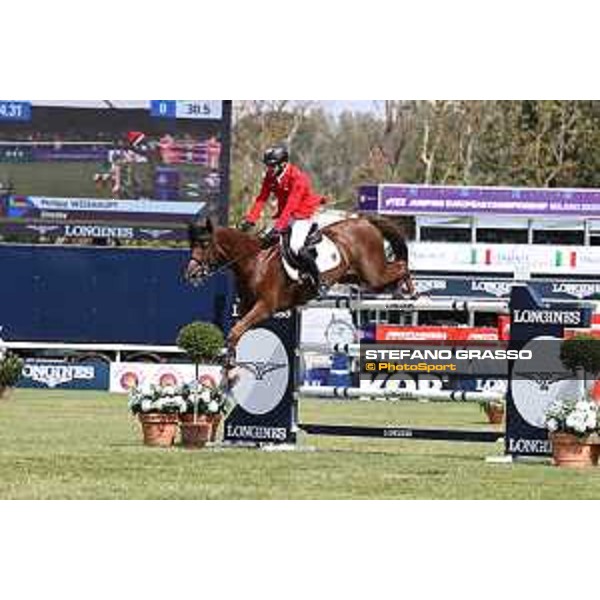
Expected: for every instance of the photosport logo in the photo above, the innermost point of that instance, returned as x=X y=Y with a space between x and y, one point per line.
x=54 y=375
x=263 y=372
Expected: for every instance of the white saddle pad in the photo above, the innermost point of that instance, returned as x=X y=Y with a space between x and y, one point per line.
x=328 y=258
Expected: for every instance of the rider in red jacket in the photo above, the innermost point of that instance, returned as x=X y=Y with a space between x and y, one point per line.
x=296 y=207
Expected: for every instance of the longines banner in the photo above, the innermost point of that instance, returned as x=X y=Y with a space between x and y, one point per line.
x=535 y=384
x=264 y=384
x=66 y=376
x=53 y=230
x=496 y=287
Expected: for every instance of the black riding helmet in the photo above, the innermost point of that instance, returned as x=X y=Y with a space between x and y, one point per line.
x=276 y=156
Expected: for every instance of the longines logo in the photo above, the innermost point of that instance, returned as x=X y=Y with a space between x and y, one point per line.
x=545 y=380
x=43 y=229
x=494 y=288
x=429 y=285
x=260 y=369
x=55 y=375
x=263 y=372
x=576 y=290
x=547 y=317
x=155 y=233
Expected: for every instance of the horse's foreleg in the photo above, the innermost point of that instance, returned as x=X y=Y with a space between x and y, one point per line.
x=259 y=312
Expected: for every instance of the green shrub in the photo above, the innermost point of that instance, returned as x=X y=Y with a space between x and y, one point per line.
x=581 y=351
x=11 y=367
x=203 y=342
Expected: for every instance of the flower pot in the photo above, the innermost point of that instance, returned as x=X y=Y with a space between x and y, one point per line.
x=216 y=421
x=195 y=433
x=573 y=452
x=159 y=429
x=495 y=413
x=212 y=420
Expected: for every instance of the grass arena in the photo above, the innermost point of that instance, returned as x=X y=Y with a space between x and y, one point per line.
x=85 y=445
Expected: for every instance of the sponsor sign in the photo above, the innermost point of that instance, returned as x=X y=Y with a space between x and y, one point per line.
x=55 y=374
x=127 y=375
x=535 y=384
x=394 y=333
x=264 y=388
x=54 y=230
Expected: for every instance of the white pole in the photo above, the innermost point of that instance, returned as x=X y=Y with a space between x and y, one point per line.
x=399 y=394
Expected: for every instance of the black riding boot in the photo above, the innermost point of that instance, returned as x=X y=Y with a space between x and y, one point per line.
x=310 y=272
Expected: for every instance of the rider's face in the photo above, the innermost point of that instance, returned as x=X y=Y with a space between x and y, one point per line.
x=274 y=170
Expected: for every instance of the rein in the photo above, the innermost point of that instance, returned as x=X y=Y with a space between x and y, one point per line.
x=220 y=269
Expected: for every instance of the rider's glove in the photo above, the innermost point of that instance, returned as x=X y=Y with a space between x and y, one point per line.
x=269 y=238
x=245 y=226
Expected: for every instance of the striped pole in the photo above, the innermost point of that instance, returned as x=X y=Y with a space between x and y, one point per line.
x=425 y=304
x=399 y=394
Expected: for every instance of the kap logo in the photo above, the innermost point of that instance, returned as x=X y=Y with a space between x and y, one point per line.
x=263 y=371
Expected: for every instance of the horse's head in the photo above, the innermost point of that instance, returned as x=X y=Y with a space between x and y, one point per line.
x=204 y=257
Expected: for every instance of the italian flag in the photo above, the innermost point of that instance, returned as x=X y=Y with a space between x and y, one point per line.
x=563 y=258
x=487 y=256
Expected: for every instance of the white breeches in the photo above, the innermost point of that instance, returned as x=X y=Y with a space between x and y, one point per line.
x=300 y=230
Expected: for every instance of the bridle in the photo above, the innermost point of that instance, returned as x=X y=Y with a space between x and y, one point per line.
x=208 y=269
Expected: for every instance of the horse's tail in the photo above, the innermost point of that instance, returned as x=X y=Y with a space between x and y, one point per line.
x=393 y=233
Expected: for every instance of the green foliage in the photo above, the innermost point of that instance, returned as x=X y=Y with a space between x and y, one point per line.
x=11 y=367
x=203 y=342
x=535 y=143
x=581 y=351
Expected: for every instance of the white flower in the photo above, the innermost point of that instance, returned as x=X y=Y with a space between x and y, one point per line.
x=213 y=407
x=146 y=388
x=168 y=390
x=552 y=424
x=205 y=395
x=591 y=421
x=146 y=405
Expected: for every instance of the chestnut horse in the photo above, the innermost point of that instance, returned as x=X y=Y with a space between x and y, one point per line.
x=262 y=283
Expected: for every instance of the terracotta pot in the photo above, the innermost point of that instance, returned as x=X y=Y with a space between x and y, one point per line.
x=195 y=434
x=213 y=420
x=216 y=421
x=495 y=414
x=573 y=452
x=159 y=429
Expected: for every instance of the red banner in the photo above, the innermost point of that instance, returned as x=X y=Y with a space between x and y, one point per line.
x=395 y=333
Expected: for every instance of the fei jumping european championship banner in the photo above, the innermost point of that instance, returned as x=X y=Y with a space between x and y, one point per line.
x=392 y=199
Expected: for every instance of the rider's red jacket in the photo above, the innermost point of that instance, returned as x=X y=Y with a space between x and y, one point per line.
x=295 y=197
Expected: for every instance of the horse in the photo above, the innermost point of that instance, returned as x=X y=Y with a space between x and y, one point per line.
x=264 y=287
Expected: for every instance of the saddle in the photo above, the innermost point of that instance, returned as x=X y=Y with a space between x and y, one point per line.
x=325 y=252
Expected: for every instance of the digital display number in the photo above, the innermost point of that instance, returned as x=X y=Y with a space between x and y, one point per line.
x=11 y=110
x=187 y=109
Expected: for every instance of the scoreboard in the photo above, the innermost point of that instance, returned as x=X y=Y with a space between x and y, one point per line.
x=139 y=169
